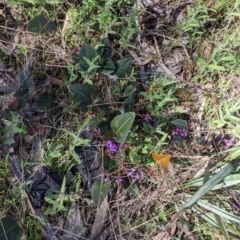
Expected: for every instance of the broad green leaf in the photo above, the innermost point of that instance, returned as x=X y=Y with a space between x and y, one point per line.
x=180 y=123
x=106 y=66
x=121 y=125
x=129 y=90
x=94 y=121
x=9 y=229
x=82 y=94
x=75 y=57
x=217 y=178
x=201 y=60
x=108 y=164
x=87 y=52
x=25 y=81
x=216 y=67
x=123 y=66
x=40 y=24
x=45 y=101
x=99 y=191
x=129 y=103
x=104 y=49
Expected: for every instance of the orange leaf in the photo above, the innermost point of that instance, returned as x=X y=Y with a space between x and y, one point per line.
x=161 y=160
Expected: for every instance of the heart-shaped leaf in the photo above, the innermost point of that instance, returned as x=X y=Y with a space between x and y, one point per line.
x=75 y=57
x=9 y=229
x=106 y=66
x=25 y=81
x=82 y=94
x=45 y=101
x=180 y=123
x=40 y=24
x=121 y=125
x=99 y=191
x=123 y=66
x=108 y=164
x=105 y=49
x=87 y=52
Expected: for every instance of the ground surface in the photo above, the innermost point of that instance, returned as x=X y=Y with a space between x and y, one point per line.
x=119 y=119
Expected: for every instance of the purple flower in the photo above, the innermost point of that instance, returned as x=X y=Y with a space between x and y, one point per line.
x=179 y=132
x=112 y=146
x=119 y=180
x=79 y=48
x=134 y=174
x=228 y=142
x=87 y=128
x=235 y=207
x=150 y=120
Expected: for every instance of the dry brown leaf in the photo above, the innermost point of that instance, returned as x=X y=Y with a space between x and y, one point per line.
x=35 y=128
x=65 y=24
x=100 y=218
x=14 y=103
x=73 y=228
x=57 y=81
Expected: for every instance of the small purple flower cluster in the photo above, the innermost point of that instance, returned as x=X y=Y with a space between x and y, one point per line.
x=179 y=132
x=133 y=173
x=112 y=146
x=236 y=207
x=226 y=140
x=151 y=120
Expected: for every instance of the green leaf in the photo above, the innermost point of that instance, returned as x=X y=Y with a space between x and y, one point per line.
x=129 y=90
x=121 y=125
x=75 y=57
x=180 y=123
x=123 y=66
x=208 y=217
x=9 y=229
x=82 y=94
x=217 y=178
x=131 y=188
x=108 y=164
x=222 y=226
x=40 y=24
x=25 y=82
x=219 y=211
x=96 y=120
x=129 y=103
x=86 y=52
x=216 y=67
x=106 y=66
x=99 y=191
x=134 y=190
x=231 y=180
x=45 y=101
x=104 y=49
